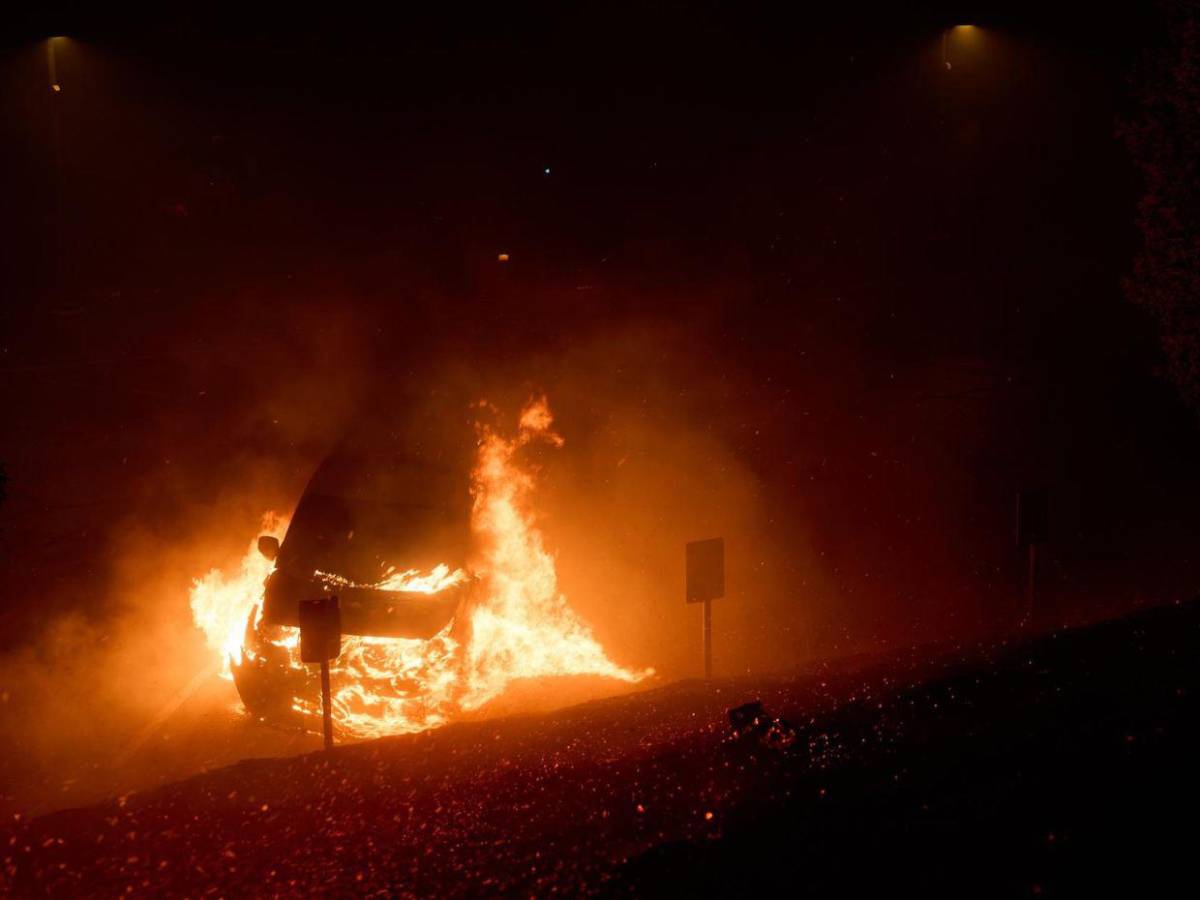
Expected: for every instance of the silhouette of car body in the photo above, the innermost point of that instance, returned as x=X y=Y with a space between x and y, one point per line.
x=369 y=511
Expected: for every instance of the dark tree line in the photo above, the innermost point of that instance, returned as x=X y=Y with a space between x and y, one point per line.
x=1164 y=140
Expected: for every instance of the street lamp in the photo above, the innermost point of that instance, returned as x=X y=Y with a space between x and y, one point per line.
x=53 y=62
x=961 y=31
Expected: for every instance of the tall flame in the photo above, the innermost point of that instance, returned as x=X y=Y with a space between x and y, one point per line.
x=518 y=624
x=220 y=604
x=525 y=629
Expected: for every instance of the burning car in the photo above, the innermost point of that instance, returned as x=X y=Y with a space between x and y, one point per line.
x=428 y=537
x=388 y=534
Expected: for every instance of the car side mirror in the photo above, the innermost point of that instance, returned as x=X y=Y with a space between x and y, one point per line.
x=268 y=546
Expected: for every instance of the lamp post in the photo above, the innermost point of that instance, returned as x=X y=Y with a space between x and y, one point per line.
x=56 y=90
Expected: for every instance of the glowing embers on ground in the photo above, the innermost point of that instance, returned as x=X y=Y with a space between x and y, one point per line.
x=513 y=623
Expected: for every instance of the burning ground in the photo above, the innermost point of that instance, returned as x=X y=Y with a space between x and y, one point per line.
x=1005 y=768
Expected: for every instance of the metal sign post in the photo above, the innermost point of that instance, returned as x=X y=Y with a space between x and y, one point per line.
x=1033 y=528
x=321 y=641
x=326 y=706
x=706 y=583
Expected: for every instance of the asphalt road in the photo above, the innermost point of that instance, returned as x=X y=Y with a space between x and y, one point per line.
x=1056 y=767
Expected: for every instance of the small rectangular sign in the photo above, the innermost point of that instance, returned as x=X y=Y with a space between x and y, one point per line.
x=705 y=570
x=320 y=629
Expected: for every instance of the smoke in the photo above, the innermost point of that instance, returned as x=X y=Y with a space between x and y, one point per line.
x=784 y=340
x=667 y=438
x=848 y=503
x=671 y=434
x=649 y=462
x=648 y=465
x=104 y=652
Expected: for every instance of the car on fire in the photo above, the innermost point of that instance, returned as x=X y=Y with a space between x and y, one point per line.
x=384 y=525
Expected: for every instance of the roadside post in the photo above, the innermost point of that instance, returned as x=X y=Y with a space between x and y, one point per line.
x=1033 y=529
x=706 y=583
x=321 y=641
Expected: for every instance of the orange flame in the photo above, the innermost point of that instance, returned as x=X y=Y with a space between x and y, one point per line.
x=409 y=581
x=220 y=605
x=518 y=624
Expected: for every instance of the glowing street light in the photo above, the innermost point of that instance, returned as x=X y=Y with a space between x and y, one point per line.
x=52 y=62
x=963 y=31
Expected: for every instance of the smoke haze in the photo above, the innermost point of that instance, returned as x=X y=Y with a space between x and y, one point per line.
x=752 y=293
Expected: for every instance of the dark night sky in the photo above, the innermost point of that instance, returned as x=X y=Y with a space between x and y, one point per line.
x=892 y=290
